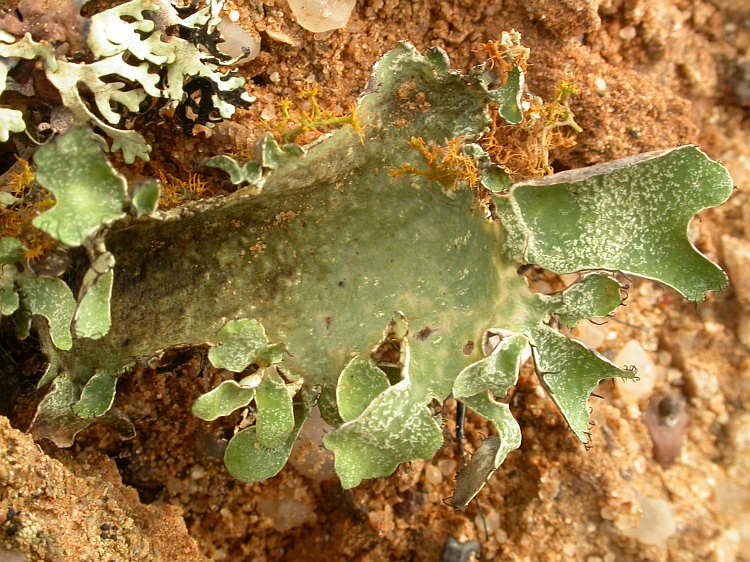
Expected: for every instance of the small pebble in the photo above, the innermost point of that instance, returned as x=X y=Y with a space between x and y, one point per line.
x=455 y=551
x=285 y=513
x=657 y=523
x=447 y=467
x=491 y=519
x=738 y=432
x=726 y=547
x=732 y=500
x=700 y=383
x=309 y=456
x=320 y=16
x=433 y=475
x=737 y=257
x=197 y=472
x=282 y=37
x=235 y=38
x=592 y=334
x=627 y=33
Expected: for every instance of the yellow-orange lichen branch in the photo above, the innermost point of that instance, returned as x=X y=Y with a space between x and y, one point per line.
x=504 y=54
x=293 y=124
x=30 y=201
x=523 y=150
x=175 y=191
x=446 y=164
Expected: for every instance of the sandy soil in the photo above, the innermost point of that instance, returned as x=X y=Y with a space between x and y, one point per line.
x=652 y=74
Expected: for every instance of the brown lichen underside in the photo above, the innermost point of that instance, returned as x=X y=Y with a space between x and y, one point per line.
x=639 y=71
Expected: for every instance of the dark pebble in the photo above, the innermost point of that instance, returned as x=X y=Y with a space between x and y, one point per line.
x=455 y=551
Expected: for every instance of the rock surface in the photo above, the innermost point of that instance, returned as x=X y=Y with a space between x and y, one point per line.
x=47 y=512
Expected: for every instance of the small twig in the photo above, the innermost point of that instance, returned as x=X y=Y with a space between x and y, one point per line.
x=460 y=419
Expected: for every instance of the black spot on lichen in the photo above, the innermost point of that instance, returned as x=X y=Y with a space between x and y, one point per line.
x=425 y=333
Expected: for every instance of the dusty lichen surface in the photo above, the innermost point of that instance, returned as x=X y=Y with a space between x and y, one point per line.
x=651 y=75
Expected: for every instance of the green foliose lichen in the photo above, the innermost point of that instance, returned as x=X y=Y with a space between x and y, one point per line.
x=330 y=279
x=133 y=55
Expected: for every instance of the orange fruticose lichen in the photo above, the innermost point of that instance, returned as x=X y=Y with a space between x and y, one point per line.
x=503 y=55
x=21 y=181
x=16 y=218
x=446 y=164
x=523 y=150
x=295 y=125
x=38 y=244
x=305 y=126
x=175 y=191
